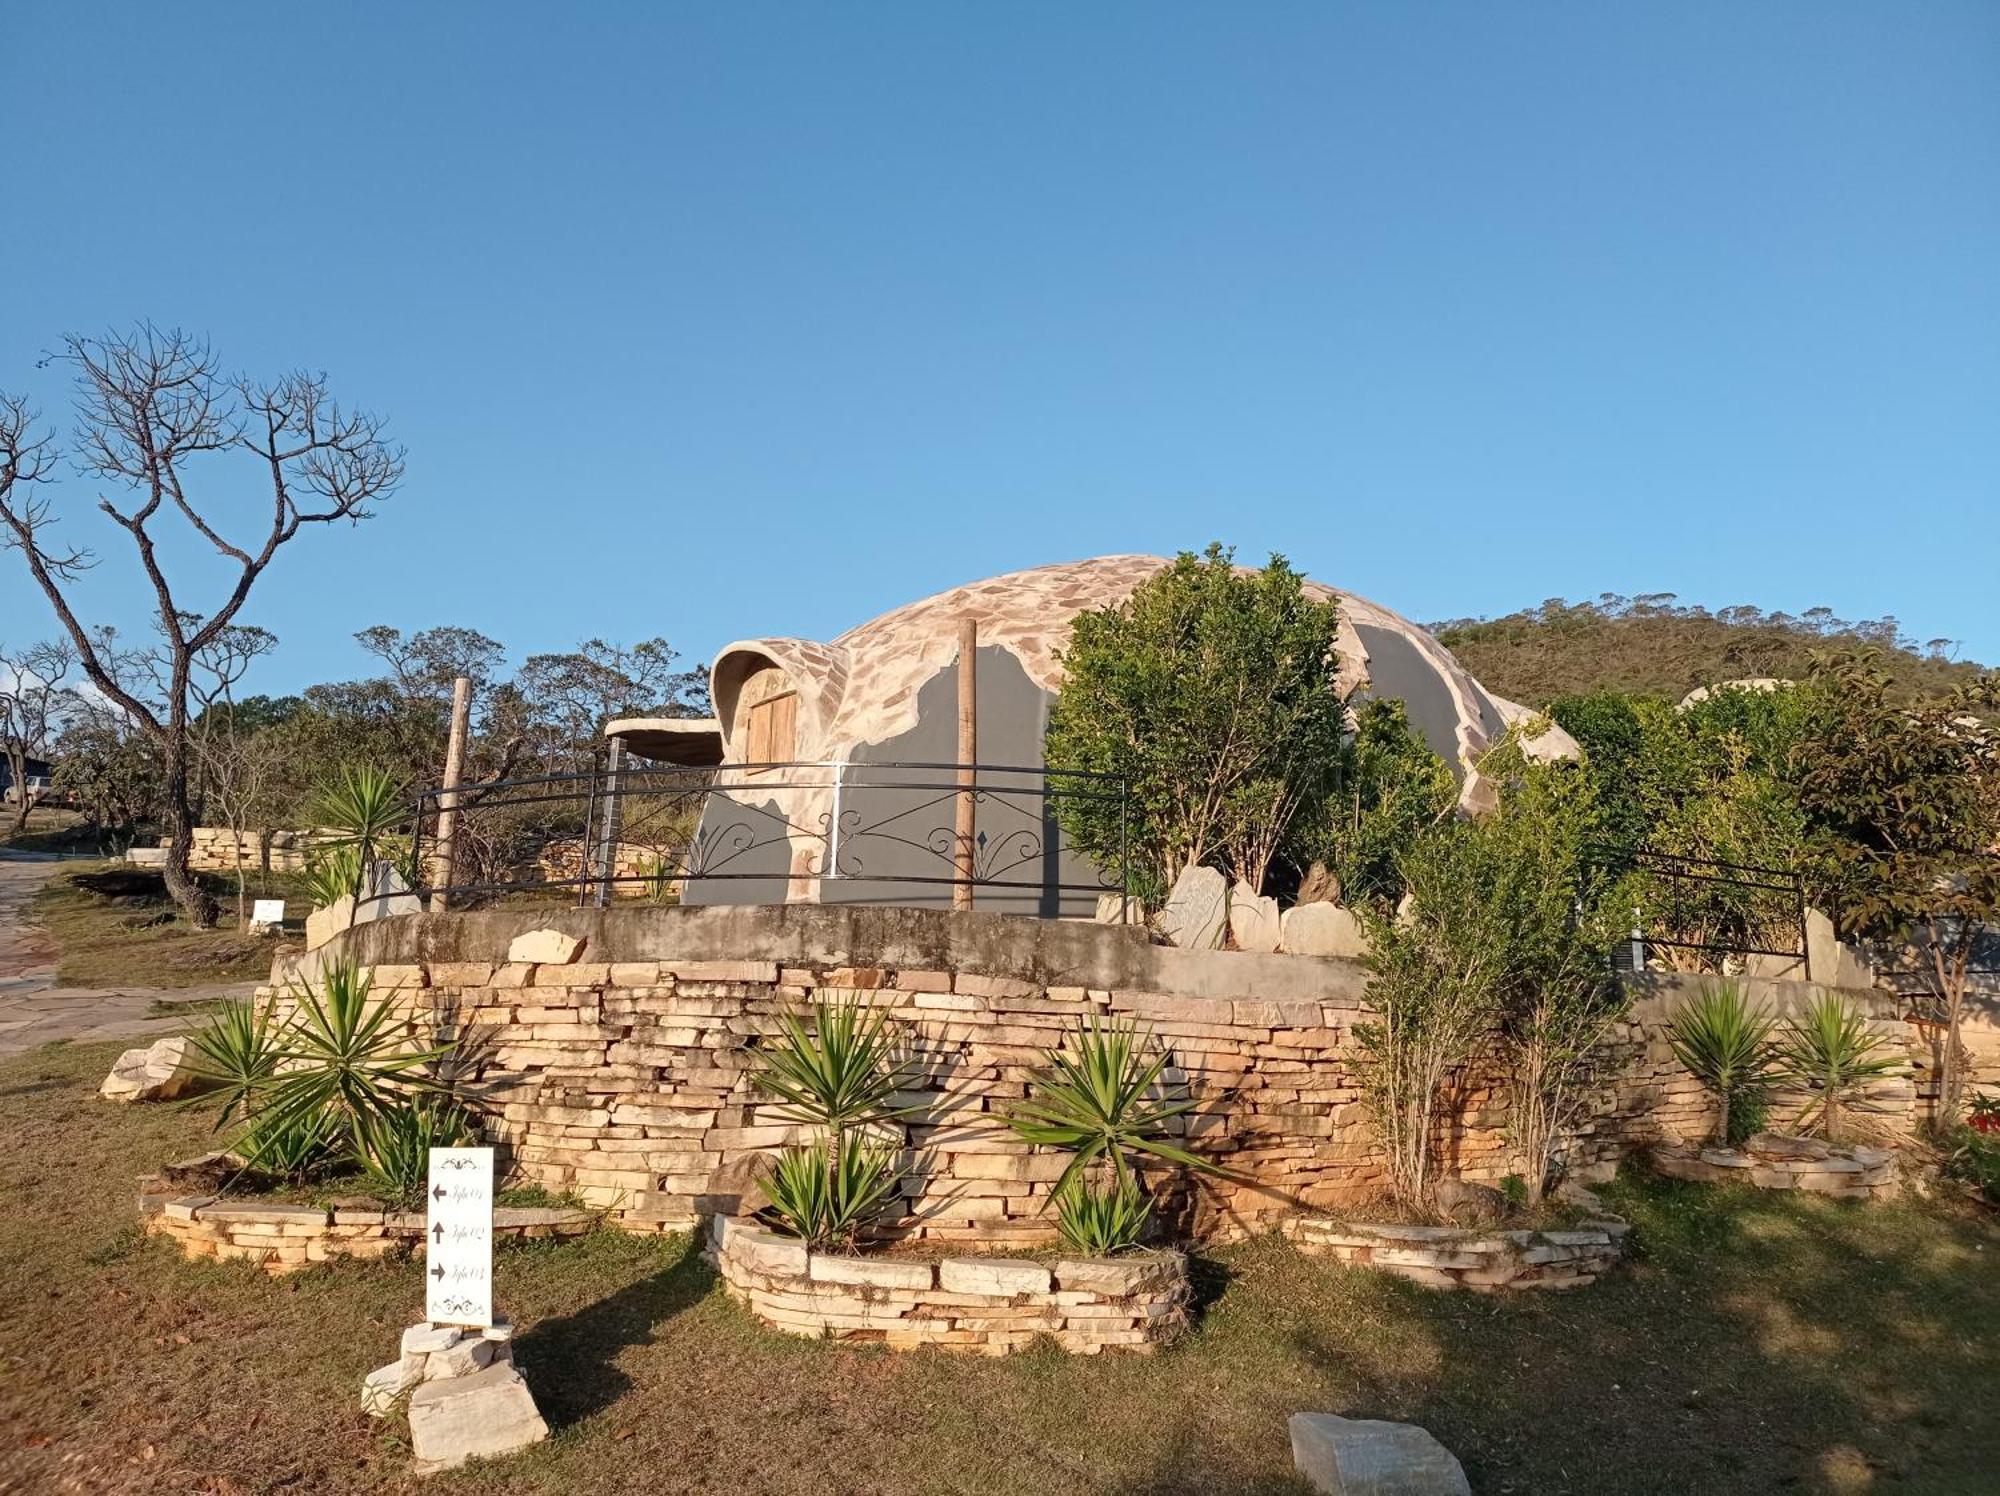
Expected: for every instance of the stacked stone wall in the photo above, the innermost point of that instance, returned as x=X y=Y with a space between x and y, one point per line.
x=1486 y=1261
x=624 y=1075
x=282 y=1238
x=217 y=849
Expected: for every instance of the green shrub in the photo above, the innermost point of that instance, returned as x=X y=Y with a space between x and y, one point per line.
x=1830 y=1053
x=1101 y=1222
x=1722 y=1044
x=292 y=1147
x=825 y=1195
x=237 y=1050
x=396 y=1153
x=1973 y=1156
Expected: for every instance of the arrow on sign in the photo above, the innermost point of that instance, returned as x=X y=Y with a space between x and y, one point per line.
x=437 y=1232
x=438 y=1273
x=438 y=1193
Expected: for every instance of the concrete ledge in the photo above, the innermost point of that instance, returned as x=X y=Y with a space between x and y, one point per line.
x=986 y=1305
x=1475 y=1257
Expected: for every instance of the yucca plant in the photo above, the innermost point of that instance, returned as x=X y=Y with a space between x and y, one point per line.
x=332 y=873
x=396 y=1147
x=1097 y=1097
x=346 y=1060
x=1724 y=1045
x=364 y=805
x=236 y=1051
x=824 y=1196
x=1101 y=1222
x=840 y=1074
x=289 y=1146
x=1830 y=1053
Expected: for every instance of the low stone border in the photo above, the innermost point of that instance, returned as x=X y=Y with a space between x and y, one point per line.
x=1771 y=1162
x=987 y=1305
x=282 y=1238
x=1476 y=1257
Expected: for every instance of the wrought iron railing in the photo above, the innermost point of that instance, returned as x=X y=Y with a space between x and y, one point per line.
x=1705 y=909
x=779 y=833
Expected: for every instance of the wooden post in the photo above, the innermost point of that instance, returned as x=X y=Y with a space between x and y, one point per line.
x=443 y=860
x=968 y=755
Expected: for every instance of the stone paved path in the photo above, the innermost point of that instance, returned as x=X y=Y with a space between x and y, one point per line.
x=34 y=1011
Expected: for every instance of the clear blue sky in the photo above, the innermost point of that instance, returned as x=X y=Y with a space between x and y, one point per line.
x=714 y=320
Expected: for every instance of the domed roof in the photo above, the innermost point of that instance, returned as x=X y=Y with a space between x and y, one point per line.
x=863 y=686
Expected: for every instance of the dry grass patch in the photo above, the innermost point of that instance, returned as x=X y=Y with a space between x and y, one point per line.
x=125 y=1368
x=138 y=939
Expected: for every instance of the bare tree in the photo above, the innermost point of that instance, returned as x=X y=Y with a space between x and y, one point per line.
x=149 y=404
x=35 y=703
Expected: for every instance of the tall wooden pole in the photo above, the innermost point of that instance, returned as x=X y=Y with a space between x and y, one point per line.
x=968 y=755
x=443 y=859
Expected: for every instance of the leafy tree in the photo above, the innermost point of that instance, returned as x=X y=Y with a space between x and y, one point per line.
x=1213 y=691
x=1903 y=806
x=1392 y=790
x=35 y=701
x=155 y=409
x=569 y=697
x=111 y=770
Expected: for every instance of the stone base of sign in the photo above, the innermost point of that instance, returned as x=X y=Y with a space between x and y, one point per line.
x=1773 y=1162
x=466 y=1401
x=1371 y=1457
x=1478 y=1258
x=282 y=1238
x=986 y=1305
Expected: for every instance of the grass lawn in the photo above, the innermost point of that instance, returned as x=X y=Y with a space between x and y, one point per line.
x=112 y=942
x=50 y=828
x=1758 y=1344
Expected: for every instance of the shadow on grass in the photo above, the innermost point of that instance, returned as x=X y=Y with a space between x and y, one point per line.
x=569 y=1361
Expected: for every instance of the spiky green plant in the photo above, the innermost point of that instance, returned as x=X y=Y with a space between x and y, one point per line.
x=289 y=1146
x=1830 y=1053
x=363 y=806
x=236 y=1051
x=397 y=1150
x=1101 y=1222
x=332 y=873
x=824 y=1196
x=346 y=1059
x=839 y=1072
x=1098 y=1097
x=1723 y=1044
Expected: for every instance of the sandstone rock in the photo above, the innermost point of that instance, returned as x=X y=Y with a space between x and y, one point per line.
x=1119 y=1277
x=1319 y=886
x=1830 y=961
x=875 y=1272
x=546 y=947
x=1323 y=930
x=1469 y=1204
x=160 y=1073
x=1117 y=909
x=1001 y=1276
x=1197 y=911
x=1777 y=1145
x=1372 y=1457
x=1253 y=919
x=386 y=1386
x=489 y=1413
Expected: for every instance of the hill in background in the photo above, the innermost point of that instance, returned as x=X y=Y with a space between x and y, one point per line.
x=1656 y=646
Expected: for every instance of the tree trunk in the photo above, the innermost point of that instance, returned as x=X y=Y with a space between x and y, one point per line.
x=201 y=910
x=17 y=778
x=1722 y=1121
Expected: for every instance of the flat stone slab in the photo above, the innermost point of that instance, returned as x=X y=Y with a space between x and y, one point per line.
x=1372 y=1457
x=1197 y=911
x=488 y=1413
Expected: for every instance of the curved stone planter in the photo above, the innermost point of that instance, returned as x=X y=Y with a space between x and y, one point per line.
x=988 y=1305
x=1476 y=1257
x=282 y=1238
x=1772 y=1162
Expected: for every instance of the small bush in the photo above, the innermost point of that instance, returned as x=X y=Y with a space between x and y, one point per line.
x=1830 y=1053
x=1724 y=1045
x=1972 y=1155
x=824 y=1196
x=396 y=1153
x=1099 y=1223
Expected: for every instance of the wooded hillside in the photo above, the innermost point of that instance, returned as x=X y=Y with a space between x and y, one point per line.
x=1655 y=645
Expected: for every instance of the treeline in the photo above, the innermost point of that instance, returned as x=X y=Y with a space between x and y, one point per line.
x=259 y=762
x=1654 y=645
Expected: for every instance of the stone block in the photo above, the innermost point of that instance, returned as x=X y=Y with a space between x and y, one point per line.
x=767 y=1252
x=489 y=1413
x=873 y=1272
x=1373 y=1457
x=1119 y=1277
x=386 y=1386
x=545 y=947
x=1253 y=919
x=165 y=1070
x=999 y=1276
x=1197 y=910
x=1323 y=930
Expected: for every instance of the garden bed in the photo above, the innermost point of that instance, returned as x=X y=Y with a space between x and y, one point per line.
x=1773 y=1162
x=986 y=1305
x=1481 y=1258
x=283 y=1236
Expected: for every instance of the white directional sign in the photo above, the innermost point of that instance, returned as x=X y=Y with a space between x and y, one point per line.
x=458 y=1239
x=267 y=914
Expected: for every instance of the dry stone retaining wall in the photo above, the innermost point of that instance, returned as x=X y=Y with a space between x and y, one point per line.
x=1858 y=1173
x=217 y=849
x=620 y=1069
x=282 y=1238
x=988 y=1305
x=1482 y=1259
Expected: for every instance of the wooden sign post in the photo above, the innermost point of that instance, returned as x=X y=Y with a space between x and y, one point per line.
x=458 y=1238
